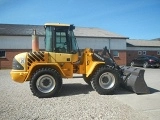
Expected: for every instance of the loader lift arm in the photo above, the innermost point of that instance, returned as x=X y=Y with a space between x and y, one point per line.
x=130 y=78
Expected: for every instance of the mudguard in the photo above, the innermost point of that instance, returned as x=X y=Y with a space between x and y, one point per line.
x=133 y=79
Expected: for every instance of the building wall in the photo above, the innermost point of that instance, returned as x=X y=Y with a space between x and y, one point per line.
x=19 y=42
x=133 y=52
x=121 y=59
x=113 y=44
x=144 y=48
x=25 y=42
x=10 y=53
x=100 y=43
x=13 y=45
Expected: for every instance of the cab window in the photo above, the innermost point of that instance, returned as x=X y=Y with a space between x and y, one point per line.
x=61 y=42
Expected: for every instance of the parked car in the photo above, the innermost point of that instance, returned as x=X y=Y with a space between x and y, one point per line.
x=146 y=61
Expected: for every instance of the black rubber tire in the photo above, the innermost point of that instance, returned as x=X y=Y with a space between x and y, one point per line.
x=42 y=77
x=87 y=79
x=105 y=74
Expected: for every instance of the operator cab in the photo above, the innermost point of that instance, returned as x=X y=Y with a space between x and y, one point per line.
x=60 y=38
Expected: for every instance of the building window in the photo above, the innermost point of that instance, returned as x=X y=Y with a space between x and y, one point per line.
x=2 y=54
x=115 y=54
x=144 y=52
x=158 y=52
x=139 y=52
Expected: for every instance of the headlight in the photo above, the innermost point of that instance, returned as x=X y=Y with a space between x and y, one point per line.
x=16 y=65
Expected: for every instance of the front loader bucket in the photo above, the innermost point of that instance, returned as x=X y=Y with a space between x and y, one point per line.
x=133 y=79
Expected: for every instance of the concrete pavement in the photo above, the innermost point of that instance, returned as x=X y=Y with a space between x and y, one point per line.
x=149 y=104
x=77 y=96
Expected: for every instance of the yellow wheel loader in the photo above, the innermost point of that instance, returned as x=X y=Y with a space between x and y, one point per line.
x=45 y=69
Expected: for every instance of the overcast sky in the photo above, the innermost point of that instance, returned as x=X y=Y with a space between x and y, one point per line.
x=136 y=19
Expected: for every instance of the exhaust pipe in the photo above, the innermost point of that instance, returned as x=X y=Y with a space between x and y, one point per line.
x=35 y=42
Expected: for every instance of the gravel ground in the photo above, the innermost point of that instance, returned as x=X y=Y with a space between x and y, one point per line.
x=76 y=101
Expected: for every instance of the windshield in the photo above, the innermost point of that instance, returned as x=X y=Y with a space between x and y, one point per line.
x=153 y=57
x=73 y=42
x=49 y=39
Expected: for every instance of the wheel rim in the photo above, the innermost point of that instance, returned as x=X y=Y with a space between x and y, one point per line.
x=132 y=63
x=45 y=83
x=107 y=80
x=145 y=65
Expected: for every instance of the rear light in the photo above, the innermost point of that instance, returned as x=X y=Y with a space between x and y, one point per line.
x=150 y=60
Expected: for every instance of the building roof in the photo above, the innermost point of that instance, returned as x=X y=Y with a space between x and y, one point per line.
x=143 y=43
x=157 y=39
x=20 y=30
x=26 y=30
x=95 y=32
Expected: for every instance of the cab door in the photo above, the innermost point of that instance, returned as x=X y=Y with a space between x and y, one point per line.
x=62 y=47
x=62 y=52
